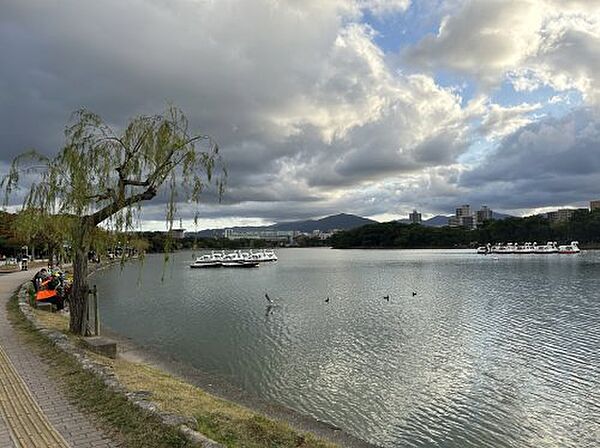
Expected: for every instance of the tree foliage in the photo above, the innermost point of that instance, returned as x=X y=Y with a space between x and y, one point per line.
x=583 y=227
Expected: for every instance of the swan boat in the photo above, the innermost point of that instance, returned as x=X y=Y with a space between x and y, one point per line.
x=206 y=261
x=551 y=247
x=239 y=260
x=572 y=248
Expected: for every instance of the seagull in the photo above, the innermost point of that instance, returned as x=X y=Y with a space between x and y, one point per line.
x=414 y=293
x=269 y=299
x=327 y=300
x=387 y=297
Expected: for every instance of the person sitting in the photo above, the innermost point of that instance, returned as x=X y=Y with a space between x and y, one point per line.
x=50 y=291
x=39 y=277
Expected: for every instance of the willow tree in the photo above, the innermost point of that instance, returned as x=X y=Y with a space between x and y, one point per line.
x=103 y=176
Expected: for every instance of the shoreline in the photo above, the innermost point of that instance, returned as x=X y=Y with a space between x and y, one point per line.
x=213 y=384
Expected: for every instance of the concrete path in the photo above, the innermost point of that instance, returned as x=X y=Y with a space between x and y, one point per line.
x=33 y=413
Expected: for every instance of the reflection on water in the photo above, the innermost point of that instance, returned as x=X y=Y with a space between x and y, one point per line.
x=488 y=353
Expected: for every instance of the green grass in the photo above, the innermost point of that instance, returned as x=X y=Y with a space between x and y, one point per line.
x=127 y=423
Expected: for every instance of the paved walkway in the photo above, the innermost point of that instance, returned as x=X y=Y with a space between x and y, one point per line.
x=33 y=413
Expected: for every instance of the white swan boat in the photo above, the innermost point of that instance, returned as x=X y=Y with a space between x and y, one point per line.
x=572 y=248
x=263 y=256
x=526 y=248
x=206 y=261
x=503 y=249
x=238 y=260
x=549 y=248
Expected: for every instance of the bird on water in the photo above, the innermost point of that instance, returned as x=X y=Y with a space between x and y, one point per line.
x=327 y=299
x=414 y=293
x=387 y=297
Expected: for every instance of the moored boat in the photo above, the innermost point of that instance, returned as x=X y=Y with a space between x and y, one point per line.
x=551 y=247
x=484 y=250
x=572 y=248
x=526 y=248
x=548 y=248
x=206 y=261
x=263 y=256
x=503 y=249
x=238 y=260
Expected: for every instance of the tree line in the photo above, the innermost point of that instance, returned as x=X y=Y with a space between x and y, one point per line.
x=583 y=227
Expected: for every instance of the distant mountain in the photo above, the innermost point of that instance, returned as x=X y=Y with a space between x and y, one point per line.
x=501 y=216
x=342 y=221
x=442 y=220
x=436 y=221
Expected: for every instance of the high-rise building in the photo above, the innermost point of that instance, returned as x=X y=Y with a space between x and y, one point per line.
x=594 y=205
x=463 y=218
x=485 y=214
x=414 y=217
x=562 y=214
x=463 y=210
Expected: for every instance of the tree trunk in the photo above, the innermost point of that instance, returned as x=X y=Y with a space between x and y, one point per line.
x=79 y=291
x=50 y=256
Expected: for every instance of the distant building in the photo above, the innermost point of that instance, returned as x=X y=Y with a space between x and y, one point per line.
x=594 y=205
x=414 y=217
x=463 y=210
x=562 y=214
x=484 y=214
x=463 y=218
x=565 y=214
x=275 y=236
x=468 y=222
x=177 y=234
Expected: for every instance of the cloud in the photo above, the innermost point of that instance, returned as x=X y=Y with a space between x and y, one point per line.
x=310 y=116
x=383 y=7
x=297 y=94
x=553 y=161
x=529 y=42
x=484 y=39
x=499 y=121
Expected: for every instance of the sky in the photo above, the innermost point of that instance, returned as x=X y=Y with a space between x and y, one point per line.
x=371 y=107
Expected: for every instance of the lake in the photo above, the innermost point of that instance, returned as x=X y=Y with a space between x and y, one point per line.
x=490 y=352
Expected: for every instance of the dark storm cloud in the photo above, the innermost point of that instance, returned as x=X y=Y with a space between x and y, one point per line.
x=555 y=161
x=299 y=98
x=310 y=118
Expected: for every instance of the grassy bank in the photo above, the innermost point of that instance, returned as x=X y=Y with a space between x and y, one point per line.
x=128 y=424
x=220 y=420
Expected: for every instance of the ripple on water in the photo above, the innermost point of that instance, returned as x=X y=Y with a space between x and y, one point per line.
x=487 y=354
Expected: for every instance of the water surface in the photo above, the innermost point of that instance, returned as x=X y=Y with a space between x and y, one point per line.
x=488 y=353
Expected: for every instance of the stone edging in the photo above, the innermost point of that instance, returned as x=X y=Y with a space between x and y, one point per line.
x=108 y=377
